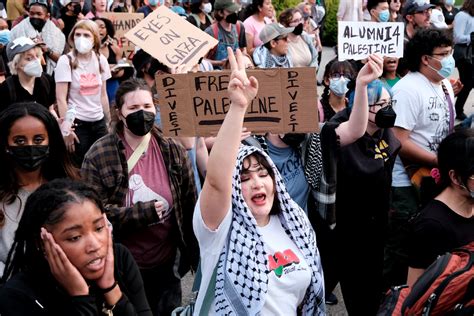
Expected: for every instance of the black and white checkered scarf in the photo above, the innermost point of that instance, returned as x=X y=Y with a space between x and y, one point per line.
x=242 y=271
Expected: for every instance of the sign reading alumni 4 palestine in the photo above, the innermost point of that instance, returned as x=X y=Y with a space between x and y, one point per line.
x=171 y=39
x=195 y=104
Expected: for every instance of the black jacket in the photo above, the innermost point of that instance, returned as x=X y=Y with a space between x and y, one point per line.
x=31 y=294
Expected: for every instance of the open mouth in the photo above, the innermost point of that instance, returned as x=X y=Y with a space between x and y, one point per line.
x=96 y=264
x=259 y=199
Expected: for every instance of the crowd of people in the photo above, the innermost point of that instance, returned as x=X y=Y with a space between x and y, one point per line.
x=102 y=214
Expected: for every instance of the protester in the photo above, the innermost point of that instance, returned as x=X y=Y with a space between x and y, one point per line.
x=98 y=7
x=248 y=200
x=15 y=9
x=109 y=49
x=447 y=222
x=227 y=30
x=200 y=10
x=336 y=78
x=258 y=13
x=358 y=153
x=39 y=27
x=64 y=260
x=150 y=6
x=449 y=11
x=425 y=116
x=463 y=35
x=301 y=47
x=378 y=10
x=274 y=51
x=394 y=7
x=126 y=6
x=147 y=184
x=70 y=14
x=350 y=10
x=81 y=78
x=417 y=16
x=33 y=153
x=390 y=76
x=28 y=83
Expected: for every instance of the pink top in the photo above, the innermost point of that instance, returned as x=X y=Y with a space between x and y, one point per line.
x=254 y=27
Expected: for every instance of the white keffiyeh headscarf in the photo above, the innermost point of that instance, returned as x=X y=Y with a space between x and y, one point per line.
x=242 y=269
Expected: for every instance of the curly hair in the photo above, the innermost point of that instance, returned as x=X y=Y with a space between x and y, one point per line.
x=424 y=43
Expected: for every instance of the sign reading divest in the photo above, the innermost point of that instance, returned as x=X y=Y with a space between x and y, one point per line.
x=124 y=22
x=196 y=103
x=357 y=40
x=171 y=39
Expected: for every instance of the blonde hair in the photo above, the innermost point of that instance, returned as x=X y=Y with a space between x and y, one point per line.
x=92 y=27
x=13 y=64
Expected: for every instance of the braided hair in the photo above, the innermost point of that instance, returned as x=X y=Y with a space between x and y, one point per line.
x=46 y=206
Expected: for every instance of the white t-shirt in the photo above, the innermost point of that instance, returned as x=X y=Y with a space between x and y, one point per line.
x=289 y=276
x=421 y=108
x=86 y=86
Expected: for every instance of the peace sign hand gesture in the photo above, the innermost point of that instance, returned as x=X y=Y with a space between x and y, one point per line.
x=242 y=90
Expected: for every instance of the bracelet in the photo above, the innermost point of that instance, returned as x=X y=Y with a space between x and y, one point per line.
x=107 y=290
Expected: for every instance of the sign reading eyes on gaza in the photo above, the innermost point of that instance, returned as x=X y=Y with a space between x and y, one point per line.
x=195 y=104
x=124 y=22
x=357 y=40
x=171 y=39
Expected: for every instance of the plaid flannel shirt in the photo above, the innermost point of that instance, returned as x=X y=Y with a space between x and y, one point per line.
x=105 y=169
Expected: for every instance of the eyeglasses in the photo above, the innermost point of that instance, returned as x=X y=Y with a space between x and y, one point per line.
x=445 y=54
x=43 y=2
x=338 y=75
x=384 y=103
x=425 y=12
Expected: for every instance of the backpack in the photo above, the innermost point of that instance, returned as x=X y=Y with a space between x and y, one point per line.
x=215 y=32
x=445 y=288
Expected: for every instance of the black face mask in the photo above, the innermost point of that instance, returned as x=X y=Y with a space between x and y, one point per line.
x=37 y=23
x=231 y=18
x=298 y=29
x=293 y=140
x=29 y=158
x=385 y=117
x=140 y=122
x=77 y=9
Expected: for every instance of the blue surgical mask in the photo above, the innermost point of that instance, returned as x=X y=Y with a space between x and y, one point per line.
x=447 y=66
x=384 y=15
x=154 y=3
x=450 y=2
x=339 y=86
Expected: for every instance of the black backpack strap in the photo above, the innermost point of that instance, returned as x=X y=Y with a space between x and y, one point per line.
x=11 y=89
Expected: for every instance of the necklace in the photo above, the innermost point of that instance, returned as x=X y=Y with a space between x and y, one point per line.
x=436 y=92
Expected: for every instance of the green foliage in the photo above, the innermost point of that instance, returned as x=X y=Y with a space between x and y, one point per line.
x=329 y=35
x=281 y=5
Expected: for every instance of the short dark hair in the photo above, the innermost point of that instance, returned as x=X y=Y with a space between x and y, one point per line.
x=456 y=152
x=423 y=43
x=372 y=4
x=47 y=205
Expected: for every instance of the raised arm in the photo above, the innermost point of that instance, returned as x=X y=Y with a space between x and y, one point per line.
x=216 y=193
x=356 y=126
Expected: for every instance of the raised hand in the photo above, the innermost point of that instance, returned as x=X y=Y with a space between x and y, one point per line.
x=108 y=278
x=242 y=90
x=62 y=269
x=372 y=70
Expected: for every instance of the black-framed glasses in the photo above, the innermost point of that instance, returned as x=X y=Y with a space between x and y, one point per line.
x=445 y=54
x=424 y=12
x=384 y=103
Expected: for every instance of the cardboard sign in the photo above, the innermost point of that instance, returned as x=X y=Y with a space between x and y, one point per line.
x=171 y=39
x=196 y=103
x=124 y=22
x=357 y=40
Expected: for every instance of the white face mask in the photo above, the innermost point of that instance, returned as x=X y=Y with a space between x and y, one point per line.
x=33 y=68
x=207 y=8
x=83 y=45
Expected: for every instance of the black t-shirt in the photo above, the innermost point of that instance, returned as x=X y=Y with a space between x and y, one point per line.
x=449 y=15
x=203 y=26
x=435 y=231
x=364 y=176
x=44 y=94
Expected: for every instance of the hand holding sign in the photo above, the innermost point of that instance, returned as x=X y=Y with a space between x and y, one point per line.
x=242 y=90
x=371 y=70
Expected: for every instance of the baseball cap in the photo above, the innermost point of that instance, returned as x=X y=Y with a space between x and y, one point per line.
x=19 y=45
x=228 y=5
x=437 y=19
x=414 y=6
x=272 y=31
